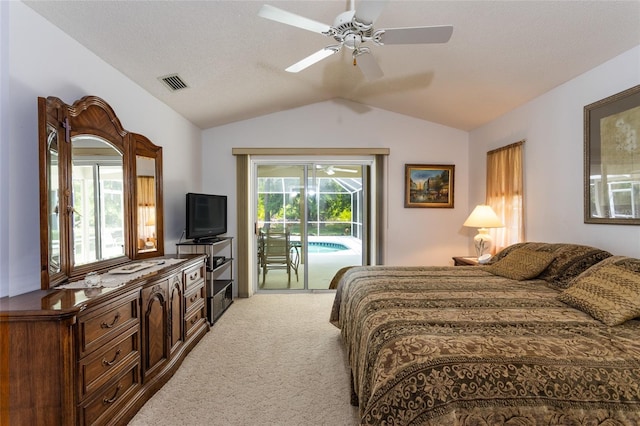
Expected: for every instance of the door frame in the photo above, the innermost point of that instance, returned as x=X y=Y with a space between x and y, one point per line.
x=245 y=273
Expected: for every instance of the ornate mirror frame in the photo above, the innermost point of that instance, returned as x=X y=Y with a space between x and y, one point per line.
x=134 y=205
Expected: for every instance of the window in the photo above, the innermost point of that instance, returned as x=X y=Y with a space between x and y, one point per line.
x=505 y=193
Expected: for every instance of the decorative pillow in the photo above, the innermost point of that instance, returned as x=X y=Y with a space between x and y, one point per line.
x=609 y=292
x=521 y=264
x=629 y=263
x=505 y=251
x=570 y=260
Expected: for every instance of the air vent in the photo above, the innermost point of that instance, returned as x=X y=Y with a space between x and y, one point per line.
x=173 y=82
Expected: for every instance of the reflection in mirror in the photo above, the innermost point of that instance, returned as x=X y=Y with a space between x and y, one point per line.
x=98 y=200
x=53 y=204
x=146 y=204
x=615 y=169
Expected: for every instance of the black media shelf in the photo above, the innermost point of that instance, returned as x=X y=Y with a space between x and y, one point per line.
x=219 y=280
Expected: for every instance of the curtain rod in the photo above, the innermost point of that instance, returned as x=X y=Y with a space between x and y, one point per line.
x=513 y=145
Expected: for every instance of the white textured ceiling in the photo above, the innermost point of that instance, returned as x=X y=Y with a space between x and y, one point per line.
x=501 y=54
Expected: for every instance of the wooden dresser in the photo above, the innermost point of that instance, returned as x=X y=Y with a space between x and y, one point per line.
x=95 y=356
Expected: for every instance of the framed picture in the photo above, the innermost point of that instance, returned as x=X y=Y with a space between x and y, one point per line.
x=428 y=185
x=612 y=159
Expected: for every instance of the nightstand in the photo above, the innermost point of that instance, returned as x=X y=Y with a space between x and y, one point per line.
x=465 y=261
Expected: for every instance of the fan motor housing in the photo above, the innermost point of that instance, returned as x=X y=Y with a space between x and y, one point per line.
x=348 y=31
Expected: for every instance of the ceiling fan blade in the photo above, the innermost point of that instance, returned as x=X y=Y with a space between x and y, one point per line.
x=367 y=11
x=279 y=15
x=369 y=66
x=312 y=59
x=339 y=169
x=416 y=35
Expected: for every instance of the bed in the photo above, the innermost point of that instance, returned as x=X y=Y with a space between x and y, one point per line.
x=543 y=335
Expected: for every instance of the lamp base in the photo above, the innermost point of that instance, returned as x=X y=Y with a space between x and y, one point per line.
x=482 y=242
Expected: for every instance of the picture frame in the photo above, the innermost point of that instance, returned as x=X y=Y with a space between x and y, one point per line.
x=612 y=159
x=429 y=185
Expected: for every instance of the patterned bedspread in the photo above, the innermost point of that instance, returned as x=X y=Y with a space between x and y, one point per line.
x=460 y=346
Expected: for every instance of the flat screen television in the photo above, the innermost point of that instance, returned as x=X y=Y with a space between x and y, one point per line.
x=206 y=216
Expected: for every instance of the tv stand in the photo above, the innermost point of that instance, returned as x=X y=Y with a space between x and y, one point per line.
x=207 y=240
x=219 y=272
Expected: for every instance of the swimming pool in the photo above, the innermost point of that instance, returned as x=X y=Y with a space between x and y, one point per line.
x=326 y=247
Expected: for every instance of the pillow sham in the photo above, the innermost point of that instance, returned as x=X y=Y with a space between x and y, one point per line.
x=609 y=292
x=569 y=260
x=521 y=264
x=505 y=251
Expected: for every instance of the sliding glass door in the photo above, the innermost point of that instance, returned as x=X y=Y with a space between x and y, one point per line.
x=310 y=221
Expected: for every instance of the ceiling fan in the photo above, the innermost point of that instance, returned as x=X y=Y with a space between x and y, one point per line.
x=331 y=170
x=352 y=29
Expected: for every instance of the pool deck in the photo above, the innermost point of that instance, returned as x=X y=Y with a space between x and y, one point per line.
x=321 y=267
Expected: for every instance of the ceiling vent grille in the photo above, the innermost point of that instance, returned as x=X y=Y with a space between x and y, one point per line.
x=174 y=82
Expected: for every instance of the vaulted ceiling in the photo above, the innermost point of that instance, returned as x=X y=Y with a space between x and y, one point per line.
x=501 y=54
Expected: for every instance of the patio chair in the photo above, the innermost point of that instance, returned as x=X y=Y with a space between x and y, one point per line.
x=276 y=253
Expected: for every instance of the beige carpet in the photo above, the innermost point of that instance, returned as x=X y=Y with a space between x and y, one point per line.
x=272 y=359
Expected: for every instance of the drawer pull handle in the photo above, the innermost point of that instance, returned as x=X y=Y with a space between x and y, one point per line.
x=193 y=298
x=113 y=361
x=115 y=320
x=193 y=276
x=195 y=319
x=113 y=399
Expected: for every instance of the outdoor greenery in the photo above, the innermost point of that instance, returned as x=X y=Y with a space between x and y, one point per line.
x=330 y=203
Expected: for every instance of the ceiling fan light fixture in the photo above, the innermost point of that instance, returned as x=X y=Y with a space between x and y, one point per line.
x=352 y=40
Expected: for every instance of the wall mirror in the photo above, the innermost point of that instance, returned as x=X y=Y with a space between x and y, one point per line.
x=100 y=191
x=612 y=159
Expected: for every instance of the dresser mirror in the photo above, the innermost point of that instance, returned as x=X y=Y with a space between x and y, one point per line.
x=53 y=229
x=100 y=191
x=97 y=192
x=148 y=173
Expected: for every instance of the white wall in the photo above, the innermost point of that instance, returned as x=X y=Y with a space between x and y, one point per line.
x=4 y=147
x=415 y=236
x=552 y=125
x=44 y=61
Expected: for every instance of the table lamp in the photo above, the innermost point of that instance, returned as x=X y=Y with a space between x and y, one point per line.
x=483 y=217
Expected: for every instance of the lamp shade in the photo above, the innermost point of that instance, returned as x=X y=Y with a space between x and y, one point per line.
x=483 y=216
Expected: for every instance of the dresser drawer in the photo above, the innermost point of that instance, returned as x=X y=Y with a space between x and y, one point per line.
x=99 y=367
x=191 y=300
x=107 y=321
x=102 y=406
x=194 y=321
x=193 y=276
